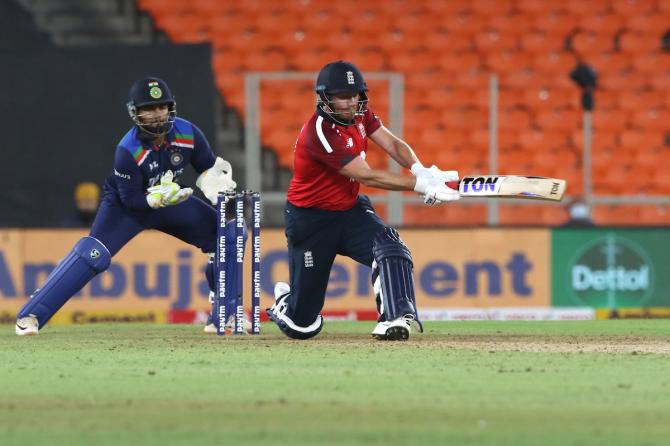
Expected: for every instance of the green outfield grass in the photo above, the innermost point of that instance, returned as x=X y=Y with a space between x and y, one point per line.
x=461 y=383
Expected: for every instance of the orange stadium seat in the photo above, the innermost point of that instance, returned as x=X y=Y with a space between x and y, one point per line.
x=507 y=139
x=462 y=119
x=651 y=119
x=536 y=41
x=444 y=41
x=660 y=81
x=555 y=62
x=606 y=98
x=532 y=215
x=617 y=80
x=463 y=23
x=558 y=119
x=608 y=61
x=514 y=120
x=641 y=99
x=612 y=119
x=452 y=215
x=457 y=62
x=588 y=42
x=546 y=98
x=650 y=63
x=555 y=21
x=492 y=7
x=514 y=23
x=580 y=7
x=532 y=6
x=534 y=140
x=507 y=60
x=639 y=42
x=489 y=41
x=654 y=23
x=628 y=7
x=616 y=215
x=602 y=23
x=413 y=60
x=600 y=139
x=642 y=141
x=508 y=98
x=655 y=214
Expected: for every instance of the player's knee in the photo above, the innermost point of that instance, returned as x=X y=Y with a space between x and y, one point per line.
x=387 y=243
x=94 y=253
x=295 y=331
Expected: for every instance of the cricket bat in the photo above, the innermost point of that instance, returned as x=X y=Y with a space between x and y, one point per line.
x=510 y=186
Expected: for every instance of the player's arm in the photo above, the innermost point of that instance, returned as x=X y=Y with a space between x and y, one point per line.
x=203 y=156
x=359 y=170
x=129 y=181
x=397 y=149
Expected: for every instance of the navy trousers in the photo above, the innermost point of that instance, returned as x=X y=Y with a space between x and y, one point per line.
x=192 y=221
x=314 y=238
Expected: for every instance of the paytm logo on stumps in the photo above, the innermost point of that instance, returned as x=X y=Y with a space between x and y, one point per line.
x=612 y=272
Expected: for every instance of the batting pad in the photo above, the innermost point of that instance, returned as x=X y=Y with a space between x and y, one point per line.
x=88 y=258
x=392 y=277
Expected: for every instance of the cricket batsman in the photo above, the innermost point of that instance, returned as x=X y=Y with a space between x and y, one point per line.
x=325 y=216
x=142 y=192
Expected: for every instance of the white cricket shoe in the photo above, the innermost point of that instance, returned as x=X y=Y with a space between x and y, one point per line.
x=210 y=328
x=281 y=288
x=27 y=326
x=396 y=330
x=281 y=292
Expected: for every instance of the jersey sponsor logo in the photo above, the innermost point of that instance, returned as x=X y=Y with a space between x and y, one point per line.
x=481 y=185
x=309 y=259
x=125 y=176
x=350 y=142
x=153 y=165
x=154 y=180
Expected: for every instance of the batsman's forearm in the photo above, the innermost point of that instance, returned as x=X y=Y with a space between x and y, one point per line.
x=403 y=154
x=382 y=179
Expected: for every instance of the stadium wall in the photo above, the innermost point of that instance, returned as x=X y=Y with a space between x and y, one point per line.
x=460 y=274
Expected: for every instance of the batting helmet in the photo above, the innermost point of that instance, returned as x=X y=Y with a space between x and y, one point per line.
x=340 y=77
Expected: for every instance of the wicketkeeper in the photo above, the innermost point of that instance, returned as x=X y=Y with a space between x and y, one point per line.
x=142 y=192
x=325 y=216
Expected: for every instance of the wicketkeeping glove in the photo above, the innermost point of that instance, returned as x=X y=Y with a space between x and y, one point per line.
x=167 y=193
x=218 y=178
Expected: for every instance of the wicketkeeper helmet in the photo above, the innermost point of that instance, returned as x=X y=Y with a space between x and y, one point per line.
x=151 y=91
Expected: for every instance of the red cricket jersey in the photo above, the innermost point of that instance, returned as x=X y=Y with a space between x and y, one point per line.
x=321 y=150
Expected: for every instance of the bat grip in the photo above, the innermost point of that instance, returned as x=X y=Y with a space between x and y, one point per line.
x=453 y=184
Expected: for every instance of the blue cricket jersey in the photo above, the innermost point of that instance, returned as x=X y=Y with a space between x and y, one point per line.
x=138 y=164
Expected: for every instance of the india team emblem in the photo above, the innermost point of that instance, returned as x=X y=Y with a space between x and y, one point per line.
x=155 y=92
x=176 y=158
x=361 y=129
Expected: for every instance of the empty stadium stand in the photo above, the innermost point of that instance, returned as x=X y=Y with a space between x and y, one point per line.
x=447 y=51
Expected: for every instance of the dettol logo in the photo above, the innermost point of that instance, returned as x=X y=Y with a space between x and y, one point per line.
x=611 y=272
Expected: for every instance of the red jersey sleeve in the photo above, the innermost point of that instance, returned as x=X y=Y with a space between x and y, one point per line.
x=329 y=146
x=371 y=121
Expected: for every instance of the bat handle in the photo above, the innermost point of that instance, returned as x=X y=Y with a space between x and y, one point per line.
x=453 y=184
